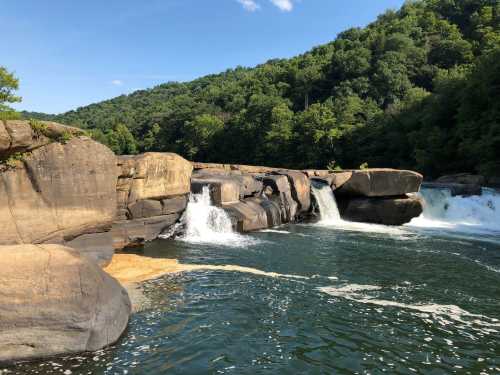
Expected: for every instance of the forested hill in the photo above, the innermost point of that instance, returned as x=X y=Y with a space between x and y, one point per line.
x=419 y=88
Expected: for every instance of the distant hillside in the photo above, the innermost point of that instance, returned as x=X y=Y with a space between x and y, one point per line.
x=419 y=88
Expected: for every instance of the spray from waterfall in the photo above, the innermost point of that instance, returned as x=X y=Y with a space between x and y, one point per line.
x=330 y=214
x=464 y=214
x=209 y=224
x=327 y=204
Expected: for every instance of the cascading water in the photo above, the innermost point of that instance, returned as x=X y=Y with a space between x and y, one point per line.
x=330 y=214
x=327 y=204
x=206 y=223
x=468 y=214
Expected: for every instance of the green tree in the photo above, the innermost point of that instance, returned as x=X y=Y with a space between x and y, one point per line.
x=8 y=85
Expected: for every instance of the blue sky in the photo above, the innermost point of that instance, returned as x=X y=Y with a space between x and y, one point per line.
x=70 y=53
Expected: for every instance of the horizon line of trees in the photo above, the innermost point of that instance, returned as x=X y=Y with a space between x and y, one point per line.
x=419 y=89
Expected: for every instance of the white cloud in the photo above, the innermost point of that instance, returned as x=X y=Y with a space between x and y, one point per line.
x=284 y=5
x=117 y=82
x=249 y=5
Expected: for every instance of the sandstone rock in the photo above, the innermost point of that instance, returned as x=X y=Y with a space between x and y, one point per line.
x=53 y=301
x=4 y=139
x=386 y=210
x=95 y=246
x=223 y=189
x=19 y=135
x=340 y=178
x=247 y=216
x=381 y=182
x=300 y=189
x=283 y=196
x=174 y=205
x=59 y=191
x=133 y=233
x=145 y=208
x=159 y=175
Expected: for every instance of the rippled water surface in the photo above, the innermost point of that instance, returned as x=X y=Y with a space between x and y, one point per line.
x=373 y=300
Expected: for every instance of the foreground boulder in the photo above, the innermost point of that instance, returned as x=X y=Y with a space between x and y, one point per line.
x=54 y=301
x=385 y=210
x=380 y=183
x=56 y=190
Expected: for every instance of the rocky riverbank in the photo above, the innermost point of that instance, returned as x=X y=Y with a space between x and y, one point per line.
x=67 y=203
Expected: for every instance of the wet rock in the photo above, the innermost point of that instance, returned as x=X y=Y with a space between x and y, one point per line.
x=384 y=210
x=247 y=215
x=300 y=189
x=223 y=189
x=380 y=183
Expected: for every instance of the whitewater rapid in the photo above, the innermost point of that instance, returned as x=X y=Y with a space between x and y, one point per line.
x=209 y=224
x=442 y=212
x=473 y=214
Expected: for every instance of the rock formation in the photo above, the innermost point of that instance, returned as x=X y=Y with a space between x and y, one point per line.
x=151 y=193
x=55 y=187
x=55 y=301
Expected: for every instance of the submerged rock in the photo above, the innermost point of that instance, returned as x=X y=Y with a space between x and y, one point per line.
x=54 y=301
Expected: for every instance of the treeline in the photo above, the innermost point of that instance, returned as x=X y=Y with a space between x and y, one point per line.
x=419 y=88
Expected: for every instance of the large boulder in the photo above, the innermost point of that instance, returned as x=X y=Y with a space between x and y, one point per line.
x=54 y=301
x=386 y=210
x=247 y=215
x=380 y=183
x=223 y=189
x=300 y=189
x=151 y=193
x=159 y=175
x=57 y=192
x=277 y=188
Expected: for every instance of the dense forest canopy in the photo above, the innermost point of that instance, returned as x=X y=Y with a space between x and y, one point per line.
x=419 y=88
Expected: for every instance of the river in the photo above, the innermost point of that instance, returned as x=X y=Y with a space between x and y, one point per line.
x=340 y=297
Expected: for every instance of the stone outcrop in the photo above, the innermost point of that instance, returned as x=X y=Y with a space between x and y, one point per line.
x=381 y=210
x=55 y=301
x=55 y=191
x=151 y=195
x=380 y=183
x=18 y=136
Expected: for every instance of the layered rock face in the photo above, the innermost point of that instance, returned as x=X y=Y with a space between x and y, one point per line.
x=255 y=197
x=55 y=301
x=151 y=193
x=379 y=196
x=270 y=196
x=56 y=186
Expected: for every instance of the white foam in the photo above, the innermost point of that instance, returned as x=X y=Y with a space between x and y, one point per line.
x=274 y=231
x=208 y=224
x=474 y=214
x=330 y=215
x=443 y=314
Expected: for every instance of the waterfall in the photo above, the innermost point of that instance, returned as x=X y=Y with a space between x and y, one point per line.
x=474 y=213
x=328 y=209
x=206 y=223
